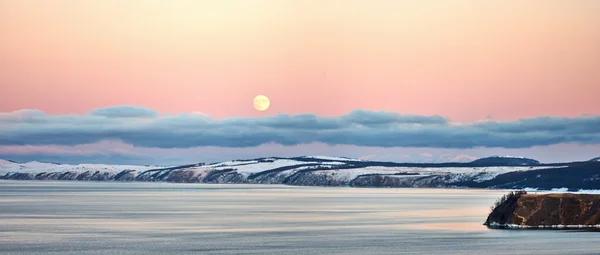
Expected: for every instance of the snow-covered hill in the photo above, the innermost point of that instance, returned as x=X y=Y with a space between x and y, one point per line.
x=326 y=171
x=35 y=167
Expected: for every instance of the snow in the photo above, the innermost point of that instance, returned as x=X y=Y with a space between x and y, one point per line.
x=315 y=167
x=35 y=167
x=562 y=190
x=290 y=172
x=406 y=175
x=264 y=166
x=248 y=167
x=507 y=156
x=588 y=191
x=200 y=171
x=5 y=163
x=477 y=174
x=295 y=170
x=347 y=175
x=245 y=167
x=233 y=163
x=332 y=163
x=495 y=224
x=481 y=173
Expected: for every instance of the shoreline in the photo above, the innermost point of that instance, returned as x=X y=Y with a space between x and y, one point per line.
x=495 y=225
x=530 y=191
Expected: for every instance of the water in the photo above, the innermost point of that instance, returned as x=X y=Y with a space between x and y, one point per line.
x=162 y=218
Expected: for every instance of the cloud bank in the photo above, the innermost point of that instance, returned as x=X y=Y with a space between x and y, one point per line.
x=144 y=127
x=125 y=111
x=115 y=152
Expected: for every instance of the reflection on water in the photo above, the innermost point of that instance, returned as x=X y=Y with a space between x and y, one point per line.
x=159 y=218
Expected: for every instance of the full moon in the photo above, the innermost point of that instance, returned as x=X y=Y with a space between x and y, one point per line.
x=261 y=103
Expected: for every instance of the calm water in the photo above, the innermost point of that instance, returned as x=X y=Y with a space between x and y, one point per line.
x=163 y=218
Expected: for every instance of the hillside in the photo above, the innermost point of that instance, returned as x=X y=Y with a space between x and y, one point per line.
x=327 y=171
x=547 y=211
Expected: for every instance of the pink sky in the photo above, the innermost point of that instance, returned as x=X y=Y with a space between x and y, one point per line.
x=461 y=59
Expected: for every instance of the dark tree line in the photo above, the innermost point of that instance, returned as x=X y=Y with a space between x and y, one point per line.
x=505 y=197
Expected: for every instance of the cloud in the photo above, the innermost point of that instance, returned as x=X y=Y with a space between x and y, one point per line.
x=87 y=159
x=103 y=147
x=20 y=115
x=426 y=155
x=124 y=111
x=360 y=128
x=121 y=153
x=587 y=124
x=370 y=118
x=367 y=157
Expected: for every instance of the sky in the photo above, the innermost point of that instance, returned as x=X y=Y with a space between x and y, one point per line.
x=172 y=82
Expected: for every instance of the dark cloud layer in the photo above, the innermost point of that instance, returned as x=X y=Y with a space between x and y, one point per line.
x=144 y=127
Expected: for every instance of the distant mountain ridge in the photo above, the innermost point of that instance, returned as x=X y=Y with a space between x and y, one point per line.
x=487 y=161
x=492 y=172
x=506 y=161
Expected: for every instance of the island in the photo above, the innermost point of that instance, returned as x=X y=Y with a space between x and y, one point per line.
x=553 y=211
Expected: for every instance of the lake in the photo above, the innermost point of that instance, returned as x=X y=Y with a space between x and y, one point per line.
x=42 y=217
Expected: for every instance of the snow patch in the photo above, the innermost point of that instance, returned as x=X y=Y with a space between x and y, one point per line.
x=264 y=166
x=200 y=172
x=498 y=225
x=478 y=174
x=508 y=156
x=346 y=175
x=233 y=163
x=332 y=163
x=588 y=191
x=562 y=190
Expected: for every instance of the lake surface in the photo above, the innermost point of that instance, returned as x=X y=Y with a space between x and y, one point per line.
x=39 y=217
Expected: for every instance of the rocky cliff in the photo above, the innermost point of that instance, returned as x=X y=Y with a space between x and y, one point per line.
x=564 y=210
